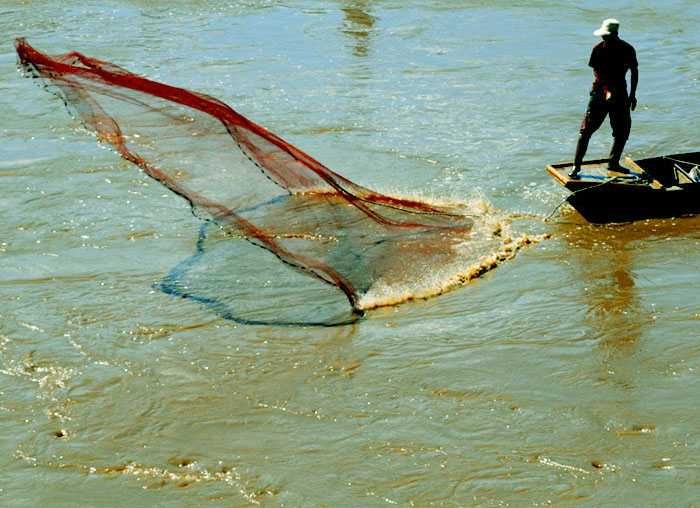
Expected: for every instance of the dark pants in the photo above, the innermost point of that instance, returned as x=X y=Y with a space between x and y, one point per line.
x=598 y=108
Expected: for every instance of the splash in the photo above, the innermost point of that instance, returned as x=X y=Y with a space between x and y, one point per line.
x=262 y=191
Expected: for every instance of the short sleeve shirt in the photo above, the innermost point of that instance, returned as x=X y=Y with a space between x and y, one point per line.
x=611 y=60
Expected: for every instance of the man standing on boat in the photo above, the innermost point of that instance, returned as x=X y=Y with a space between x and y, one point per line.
x=610 y=60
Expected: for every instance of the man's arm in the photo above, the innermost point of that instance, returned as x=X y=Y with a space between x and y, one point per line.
x=634 y=79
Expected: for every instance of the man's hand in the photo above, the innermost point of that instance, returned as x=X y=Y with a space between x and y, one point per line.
x=633 y=102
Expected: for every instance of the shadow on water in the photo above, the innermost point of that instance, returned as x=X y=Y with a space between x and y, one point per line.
x=246 y=284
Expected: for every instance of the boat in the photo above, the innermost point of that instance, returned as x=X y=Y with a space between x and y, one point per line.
x=656 y=187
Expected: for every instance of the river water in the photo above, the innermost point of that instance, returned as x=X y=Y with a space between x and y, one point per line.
x=566 y=376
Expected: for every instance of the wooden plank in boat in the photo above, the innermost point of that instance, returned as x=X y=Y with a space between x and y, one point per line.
x=592 y=171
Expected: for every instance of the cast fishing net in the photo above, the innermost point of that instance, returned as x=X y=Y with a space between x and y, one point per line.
x=252 y=184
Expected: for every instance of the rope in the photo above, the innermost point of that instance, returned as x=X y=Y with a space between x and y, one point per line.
x=629 y=179
x=680 y=161
x=417 y=212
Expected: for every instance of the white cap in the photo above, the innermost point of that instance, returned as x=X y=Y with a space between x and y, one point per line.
x=608 y=27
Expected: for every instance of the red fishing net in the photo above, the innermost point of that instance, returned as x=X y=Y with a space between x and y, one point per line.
x=250 y=182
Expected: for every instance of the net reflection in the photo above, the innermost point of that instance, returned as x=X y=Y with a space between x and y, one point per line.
x=240 y=282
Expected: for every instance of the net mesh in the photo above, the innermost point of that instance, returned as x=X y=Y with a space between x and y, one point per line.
x=251 y=183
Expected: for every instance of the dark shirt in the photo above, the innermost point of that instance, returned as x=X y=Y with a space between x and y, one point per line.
x=611 y=60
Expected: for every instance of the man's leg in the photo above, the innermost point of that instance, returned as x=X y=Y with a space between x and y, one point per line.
x=592 y=120
x=615 y=154
x=581 y=147
x=621 y=124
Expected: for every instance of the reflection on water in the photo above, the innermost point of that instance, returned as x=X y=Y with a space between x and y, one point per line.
x=359 y=24
x=605 y=258
x=609 y=263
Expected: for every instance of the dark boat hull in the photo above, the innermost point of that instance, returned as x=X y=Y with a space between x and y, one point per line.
x=626 y=203
x=653 y=188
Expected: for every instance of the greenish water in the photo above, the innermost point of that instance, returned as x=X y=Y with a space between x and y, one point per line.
x=567 y=376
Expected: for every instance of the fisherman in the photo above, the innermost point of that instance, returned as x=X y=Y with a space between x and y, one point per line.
x=610 y=60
